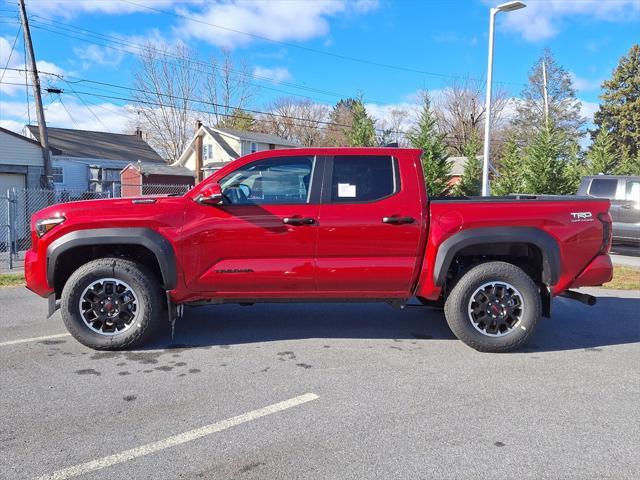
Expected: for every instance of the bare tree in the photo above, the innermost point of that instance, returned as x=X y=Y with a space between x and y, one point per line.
x=228 y=91
x=461 y=109
x=174 y=88
x=166 y=86
x=301 y=121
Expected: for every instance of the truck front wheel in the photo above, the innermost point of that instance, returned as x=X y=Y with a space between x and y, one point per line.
x=112 y=304
x=494 y=307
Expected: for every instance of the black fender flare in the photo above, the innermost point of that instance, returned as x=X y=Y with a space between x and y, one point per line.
x=495 y=235
x=150 y=239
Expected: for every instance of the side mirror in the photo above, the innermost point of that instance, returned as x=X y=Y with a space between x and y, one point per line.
x=212 y=195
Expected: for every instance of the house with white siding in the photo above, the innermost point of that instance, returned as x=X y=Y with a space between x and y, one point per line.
x=21 y=162
x=219 y=146
x=84 y=160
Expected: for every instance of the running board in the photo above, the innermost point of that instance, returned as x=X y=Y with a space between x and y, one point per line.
x=580 y=297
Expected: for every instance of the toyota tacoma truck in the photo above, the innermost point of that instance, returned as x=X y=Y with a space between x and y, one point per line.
x=317 y=225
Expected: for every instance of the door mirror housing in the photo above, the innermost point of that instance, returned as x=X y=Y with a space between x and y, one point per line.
x=211 y=195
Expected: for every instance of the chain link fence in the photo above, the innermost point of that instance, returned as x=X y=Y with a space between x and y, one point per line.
x=18 y=205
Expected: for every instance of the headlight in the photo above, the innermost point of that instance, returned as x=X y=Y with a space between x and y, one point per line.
x=46 y=224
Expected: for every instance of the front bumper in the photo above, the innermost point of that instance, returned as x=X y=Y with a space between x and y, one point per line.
x=599 y=271
x=35 y=273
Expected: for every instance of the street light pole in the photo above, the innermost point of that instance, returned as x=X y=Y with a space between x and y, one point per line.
x=505 y=7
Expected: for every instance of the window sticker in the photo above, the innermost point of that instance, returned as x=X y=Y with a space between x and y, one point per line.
x=346 y=190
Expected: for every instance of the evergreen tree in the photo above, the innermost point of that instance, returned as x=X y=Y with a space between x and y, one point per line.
x=471 y=181
x=362 y=132
x=340 y=122
x=574 y=170
x=544 y=168
x=629 y=165
x=601 y=157
x=619 y=110
x=510 y=178
x=239 y=120
x=424 y=135
x=564 y=106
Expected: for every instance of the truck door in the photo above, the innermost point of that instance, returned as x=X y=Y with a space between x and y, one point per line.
x=261 y=240
x=370 y=225
x=630 y=210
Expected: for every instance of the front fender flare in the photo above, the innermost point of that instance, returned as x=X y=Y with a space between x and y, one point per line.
x=150 y=239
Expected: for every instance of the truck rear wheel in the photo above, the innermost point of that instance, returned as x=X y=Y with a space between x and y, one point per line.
x=494 y=307
x=112 y=304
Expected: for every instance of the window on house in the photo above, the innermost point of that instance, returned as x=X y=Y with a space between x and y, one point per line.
x=58 y=174
x=207 y=152
x=359 y=178
x=254 y=147
x=111 y=175
x=272 y=146
x=603 y=187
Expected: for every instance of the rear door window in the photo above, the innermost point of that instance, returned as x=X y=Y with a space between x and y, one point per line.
x=633 y=191
x=603 y=187
x=363 y=178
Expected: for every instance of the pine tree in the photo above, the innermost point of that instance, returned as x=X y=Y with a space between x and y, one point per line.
x=564 y=106
x=510 y=178
x=619 y=110
x=574 y=170
x=471 y=181
x=544 y=168
x=601 y=157
x=629 y=165
x=362 y=132
x=424 y=135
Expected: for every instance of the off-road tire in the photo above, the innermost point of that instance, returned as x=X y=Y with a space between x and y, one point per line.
x=150 y=298
x=456 y=307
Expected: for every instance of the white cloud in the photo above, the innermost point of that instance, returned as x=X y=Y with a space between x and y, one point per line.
x=584 y=84
x=588 y=109
x=280 y=20
x=98 y=55
x=114 y=117
x=277 y=74
x=543 y=19
x=67 y=8
x=14 y=81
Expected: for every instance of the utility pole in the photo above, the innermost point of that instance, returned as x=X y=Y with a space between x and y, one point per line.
x=42 y=126
x=546 y=95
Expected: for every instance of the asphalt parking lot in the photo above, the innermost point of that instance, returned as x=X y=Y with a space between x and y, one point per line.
x=323 y=391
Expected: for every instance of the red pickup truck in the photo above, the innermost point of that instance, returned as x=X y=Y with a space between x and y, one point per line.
x=316 y=224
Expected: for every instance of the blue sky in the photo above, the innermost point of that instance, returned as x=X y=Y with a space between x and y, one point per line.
x=427 y=42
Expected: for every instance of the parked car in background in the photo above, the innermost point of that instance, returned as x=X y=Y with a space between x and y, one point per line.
x=624 y=193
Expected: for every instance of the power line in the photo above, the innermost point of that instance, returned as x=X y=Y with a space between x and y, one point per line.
x=13 y=46
x=189 y=99
x=309 y=49
x=87 y=106
x=165 y=53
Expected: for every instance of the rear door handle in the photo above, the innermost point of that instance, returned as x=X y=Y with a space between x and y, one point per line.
x=398 y=220
x=298 y=221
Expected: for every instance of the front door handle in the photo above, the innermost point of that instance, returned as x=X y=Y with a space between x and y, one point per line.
x=298 y=221
x=398 y=220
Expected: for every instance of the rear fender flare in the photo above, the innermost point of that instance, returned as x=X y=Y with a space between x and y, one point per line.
x=476 y=236
x=145 y=237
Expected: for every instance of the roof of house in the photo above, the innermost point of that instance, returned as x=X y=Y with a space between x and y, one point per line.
x=255 y=136
x=100 y=145
x=153 y=168
x=17 y=135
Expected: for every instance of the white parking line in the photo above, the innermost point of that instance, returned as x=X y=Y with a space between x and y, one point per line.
x=34 y=339
x=177 y=439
